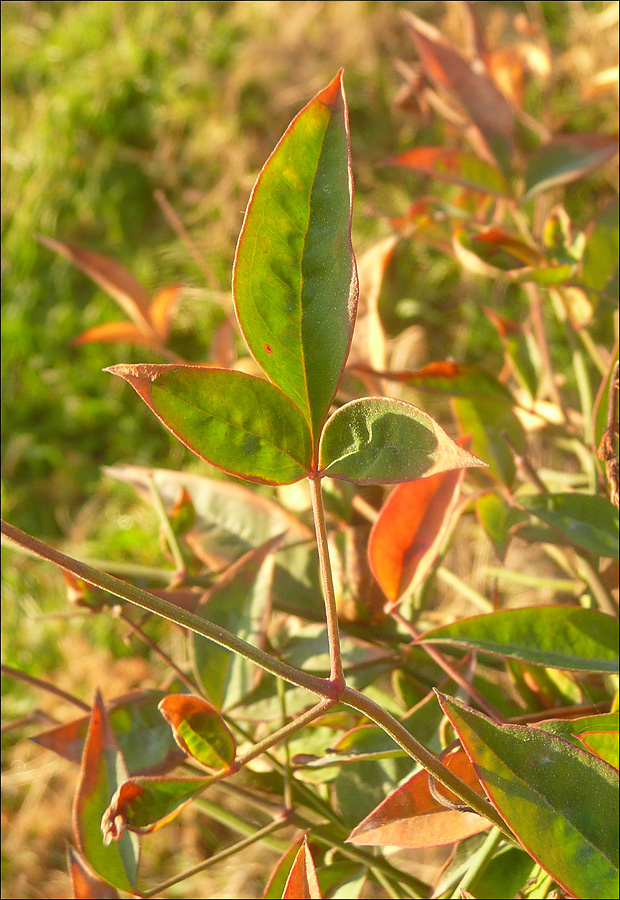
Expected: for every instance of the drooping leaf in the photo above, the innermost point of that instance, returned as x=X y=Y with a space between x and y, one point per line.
x=302 y=883
x=102 y=770
x=238 y=602
x=411 y=817
x=376 y=440
x=238 y=423
x=567 y=158
x=408 y=534
x=199 y=730
x=588 y=521
x=561 y=637
x=489 y=422
x=144 y=805
x=84 y=884
x=145 y=741
x=294 y=279
x=455 y=167
x=489 y=110
x=558 y=800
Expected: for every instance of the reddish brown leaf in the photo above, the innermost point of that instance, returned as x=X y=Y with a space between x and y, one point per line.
x=411 y=817
x=302 y=883
x=407 y=536
x=117 y=332
x=111 y=277
x=199 y=730
x=144 y=805
x=476 y=92
x=162 y=309
x=86 y=886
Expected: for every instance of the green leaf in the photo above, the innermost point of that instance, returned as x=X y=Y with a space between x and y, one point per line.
x=567 y=158
x=200 y=730
x=234 y=421
x=588 y=521
x=238 y=602
x=559 y=801
x=143 y=805
x=572 y=728
x=294 y=281
x=604 y=744
x=488 y=422
x=560 y=637
x=102 y=770
x=600 y=256
x=455 y=167
x=376 y=440
x=496 y=518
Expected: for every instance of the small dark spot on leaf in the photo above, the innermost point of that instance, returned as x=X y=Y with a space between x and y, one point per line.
x=268 y=349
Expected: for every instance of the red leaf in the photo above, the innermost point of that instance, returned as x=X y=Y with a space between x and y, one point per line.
x=411 y=817
x=302 y=883
x=111 y=277
x=407 y=536
x=87 y=886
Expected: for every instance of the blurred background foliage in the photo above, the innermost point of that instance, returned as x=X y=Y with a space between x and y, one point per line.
x=105 y=103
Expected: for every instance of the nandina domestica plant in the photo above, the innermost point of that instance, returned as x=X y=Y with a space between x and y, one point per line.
x=295 y=293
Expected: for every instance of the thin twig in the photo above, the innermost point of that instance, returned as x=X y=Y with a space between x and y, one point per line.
x=139 y=633
x=182 y=233
x=44 y=686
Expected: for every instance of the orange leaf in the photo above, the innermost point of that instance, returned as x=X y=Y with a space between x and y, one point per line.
x=162 y=309
x=86 y=886
x=411 y=817
x=302 y=883
x=117 y=332
x=111 y=277
x=407 y=536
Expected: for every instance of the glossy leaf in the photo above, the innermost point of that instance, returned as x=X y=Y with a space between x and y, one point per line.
x=143 y=805
x=408 y=534
x=102 y=770
x=561 y=637
x=603 y=744
x=240 y=603
x=111 y=277
x=199 y=730
x=411 y=817
x=84 y=884
x=294 y=279
x=488 y=108
x=145 y=741
x=238 y=423
x=588 y=521
x=455 y=167
x=376 y=440
x=488 y=422
x=302 y=883
x=558 y=800
x=567 y=158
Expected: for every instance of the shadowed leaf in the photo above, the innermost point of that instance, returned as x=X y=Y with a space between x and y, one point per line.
x=567 y=158
x=557 y=799
x=377 y=440
x=489 y=421
x=294 y=280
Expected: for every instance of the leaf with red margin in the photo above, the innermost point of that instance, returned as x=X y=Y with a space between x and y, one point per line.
x=280 y=873
x=489 y=110
x=407 y=536
x=144 y=805
x=603 y=744
x=145 y=741
x=294 y=279
x=377 y=440
x=111 y=277
x=557 y=799
x=239 y=423
x=455 y=167
x=199 y=730
x=302 y=883
x=85 y=885
x=411 y=817
x=102 y=770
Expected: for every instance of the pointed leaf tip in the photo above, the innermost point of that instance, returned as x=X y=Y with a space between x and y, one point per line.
x=333 y=94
